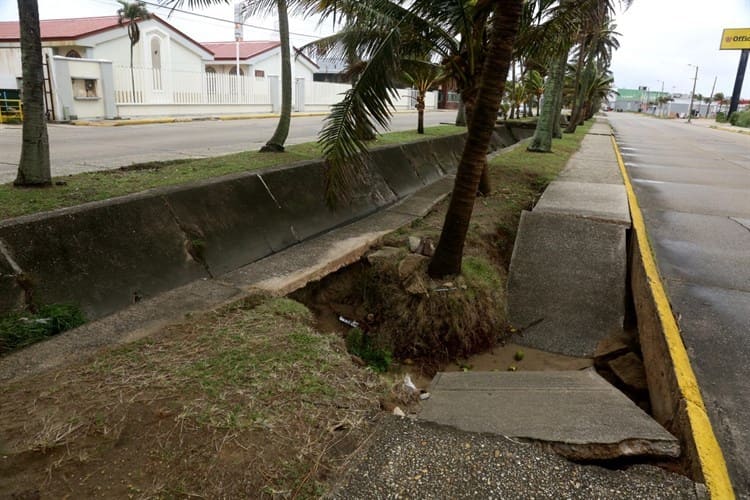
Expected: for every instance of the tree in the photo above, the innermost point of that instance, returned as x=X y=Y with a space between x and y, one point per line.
x=384 y=33
x=449 y=250
x=34 y=165
x=557 y=26
x=534 y=84
x=281 y=9
x=423 y=76
x=720 y=100
x=452 y=32
x=129 y=14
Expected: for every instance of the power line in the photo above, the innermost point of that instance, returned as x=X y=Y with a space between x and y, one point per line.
x=205 y=16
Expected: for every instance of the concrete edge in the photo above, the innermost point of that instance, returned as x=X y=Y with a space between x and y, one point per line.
x=185 y=119
x=692 y=418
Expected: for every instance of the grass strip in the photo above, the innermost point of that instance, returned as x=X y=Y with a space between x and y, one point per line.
x=81 y=188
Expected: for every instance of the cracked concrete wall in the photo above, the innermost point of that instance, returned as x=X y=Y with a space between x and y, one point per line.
x=104 y=256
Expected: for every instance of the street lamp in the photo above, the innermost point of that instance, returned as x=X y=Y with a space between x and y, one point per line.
x=692 y=94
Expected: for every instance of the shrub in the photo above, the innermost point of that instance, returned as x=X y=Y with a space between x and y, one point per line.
x=21 y=329
x=740 y=118
x=362 y=345
x=721 y=117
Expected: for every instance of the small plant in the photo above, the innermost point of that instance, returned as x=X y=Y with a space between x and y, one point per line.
x=360 y=344
x=21 y=329
x=721 y=117
x=740 y=118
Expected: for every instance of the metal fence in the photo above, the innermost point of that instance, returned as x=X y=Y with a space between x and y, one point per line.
x=11 y=110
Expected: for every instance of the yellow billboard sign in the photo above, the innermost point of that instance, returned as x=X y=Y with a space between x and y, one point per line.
x=735 y=38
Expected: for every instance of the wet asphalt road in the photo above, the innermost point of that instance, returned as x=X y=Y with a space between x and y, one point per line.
x=76 y=149
x=693 y=184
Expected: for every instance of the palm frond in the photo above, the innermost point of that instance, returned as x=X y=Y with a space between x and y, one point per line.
x=366 y=105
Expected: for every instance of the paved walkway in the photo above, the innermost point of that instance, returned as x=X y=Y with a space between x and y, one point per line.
x=692 y=183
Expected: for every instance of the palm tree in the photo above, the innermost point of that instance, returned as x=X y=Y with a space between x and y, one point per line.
x=557 y=25
x=449 y=251
x=597 y=42
x=34 y=165
x=720 y=100
x=423 y=76
x=534 y=84
x=383 y=34
x=129 y=14
x=281 y=9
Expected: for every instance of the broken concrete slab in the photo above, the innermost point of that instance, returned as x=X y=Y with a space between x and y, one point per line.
x=566 y=283
x=579 y=413
x=605 y=202
x=629 y=369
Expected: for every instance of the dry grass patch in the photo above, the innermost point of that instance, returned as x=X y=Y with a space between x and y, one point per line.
x=248 y=401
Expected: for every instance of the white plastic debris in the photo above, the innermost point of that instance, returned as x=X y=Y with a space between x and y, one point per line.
x=399 y=412
x=350 y=322
x=409 y=384
x=424 y=395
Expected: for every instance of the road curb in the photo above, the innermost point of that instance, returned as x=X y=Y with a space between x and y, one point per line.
x=684 y=412
x=186 y=119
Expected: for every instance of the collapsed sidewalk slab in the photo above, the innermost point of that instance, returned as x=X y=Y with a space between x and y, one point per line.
x=579 y=413
x=566 y=283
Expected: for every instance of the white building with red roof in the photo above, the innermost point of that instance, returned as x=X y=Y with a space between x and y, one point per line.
x=89 y=75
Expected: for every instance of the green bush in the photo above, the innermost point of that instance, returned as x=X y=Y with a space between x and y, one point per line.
x=21 y=329
x=740 y=118
x=362 y=345
x=721 y=117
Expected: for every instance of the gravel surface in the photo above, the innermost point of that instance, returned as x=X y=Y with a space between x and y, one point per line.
x=409 y=459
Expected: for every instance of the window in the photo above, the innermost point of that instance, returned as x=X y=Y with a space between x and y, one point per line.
x=259 y=73
x=233 y=71
x=156 y=62
x=73 y=53
x=84 y=88
x=210 y=80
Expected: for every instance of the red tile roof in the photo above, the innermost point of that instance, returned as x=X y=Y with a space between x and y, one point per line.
x=227 y=50
x=61 y=29
x=72 y=29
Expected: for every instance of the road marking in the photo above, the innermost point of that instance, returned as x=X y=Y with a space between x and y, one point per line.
x=711 y=458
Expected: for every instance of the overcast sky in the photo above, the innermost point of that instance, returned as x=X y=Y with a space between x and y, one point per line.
x=659 y=37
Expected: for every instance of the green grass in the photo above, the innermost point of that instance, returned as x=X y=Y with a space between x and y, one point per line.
x=94 y=186
x=21 y=329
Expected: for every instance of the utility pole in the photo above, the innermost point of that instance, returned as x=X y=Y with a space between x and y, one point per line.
x=738 y=82
x=711 y=96
x=692 y=94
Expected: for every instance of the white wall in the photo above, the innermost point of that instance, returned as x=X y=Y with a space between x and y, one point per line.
x=10 y=67
x=118 y=51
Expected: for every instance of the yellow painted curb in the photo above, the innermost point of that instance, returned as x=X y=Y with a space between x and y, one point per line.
x=711 y=458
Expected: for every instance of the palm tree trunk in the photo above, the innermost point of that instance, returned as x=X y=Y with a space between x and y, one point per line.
x=542 y=140
x=420 y=112
x=276 y=142
x=469 y=98
x=34 y=166
x=461 y=114
x=556 y=128
x=575 y=113
x=449 y=251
